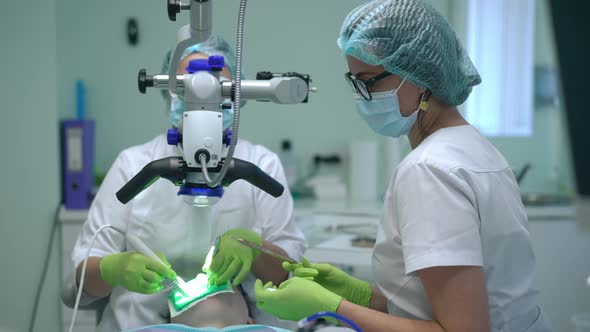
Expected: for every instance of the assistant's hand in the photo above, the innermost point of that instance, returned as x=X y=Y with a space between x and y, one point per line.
x=233 y=260
x=135 y=272
x=295 y=298
x=335 y=280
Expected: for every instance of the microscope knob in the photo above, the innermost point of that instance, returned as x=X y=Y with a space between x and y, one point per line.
x=173 y=136
x=144 y=81
x=173 y=9
x=216 y=62
x=227 y=139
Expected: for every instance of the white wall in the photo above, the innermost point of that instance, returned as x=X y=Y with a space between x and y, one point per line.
x=547 y=149
x=29 y=173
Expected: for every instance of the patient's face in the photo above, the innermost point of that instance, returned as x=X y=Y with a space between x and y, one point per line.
x=221 y=310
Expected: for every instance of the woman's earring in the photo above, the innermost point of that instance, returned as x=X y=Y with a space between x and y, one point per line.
x=424 y=104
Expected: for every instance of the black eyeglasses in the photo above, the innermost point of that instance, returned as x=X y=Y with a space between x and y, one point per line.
x=362 y=86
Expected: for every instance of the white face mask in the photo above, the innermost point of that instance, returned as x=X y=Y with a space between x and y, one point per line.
x=383 y=114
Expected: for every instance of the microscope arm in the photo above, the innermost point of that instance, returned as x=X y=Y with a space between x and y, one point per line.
x=194 y=33
x=280 y=90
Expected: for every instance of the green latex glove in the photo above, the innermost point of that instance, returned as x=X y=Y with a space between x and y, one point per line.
x=232 y=259
x=333 y=279
x=295 y=298
x=135 y=272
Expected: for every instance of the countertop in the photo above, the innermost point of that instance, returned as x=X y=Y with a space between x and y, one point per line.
x=306 y=207
x=344 y=207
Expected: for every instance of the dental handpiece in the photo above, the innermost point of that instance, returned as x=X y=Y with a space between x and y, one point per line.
x=178 y=284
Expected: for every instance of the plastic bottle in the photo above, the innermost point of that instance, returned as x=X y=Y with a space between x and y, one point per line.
x=289 y=163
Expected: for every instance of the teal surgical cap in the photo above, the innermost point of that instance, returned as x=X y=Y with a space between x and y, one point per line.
x=215 y=45
x=410 y=39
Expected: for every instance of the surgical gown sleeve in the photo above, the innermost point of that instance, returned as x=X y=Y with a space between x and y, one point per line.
x=275 y=215
x=437 y=218
x=105 y=209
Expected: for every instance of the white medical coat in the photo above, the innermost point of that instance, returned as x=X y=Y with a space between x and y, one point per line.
x=454 y=201
x=183 y=233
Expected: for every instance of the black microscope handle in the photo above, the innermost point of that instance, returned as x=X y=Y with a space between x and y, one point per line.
x=144 y=81
x=243 y=170
x=169 y=168
x=173 y=9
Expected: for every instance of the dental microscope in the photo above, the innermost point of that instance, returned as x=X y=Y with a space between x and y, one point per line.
x=207 y=163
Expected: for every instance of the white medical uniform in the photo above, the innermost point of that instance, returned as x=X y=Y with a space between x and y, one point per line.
x=183 y=233
x=454 y=201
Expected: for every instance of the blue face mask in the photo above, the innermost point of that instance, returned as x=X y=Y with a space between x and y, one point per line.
x=383 y=115
x=177 y=108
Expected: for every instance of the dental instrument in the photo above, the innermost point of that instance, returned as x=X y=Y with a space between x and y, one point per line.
x=178 y=284
x=264 y=250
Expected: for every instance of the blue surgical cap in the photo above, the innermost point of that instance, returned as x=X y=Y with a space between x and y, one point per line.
x=410 y=39
x=215 y=45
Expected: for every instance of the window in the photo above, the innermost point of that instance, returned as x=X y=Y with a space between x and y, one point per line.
x=500 y=43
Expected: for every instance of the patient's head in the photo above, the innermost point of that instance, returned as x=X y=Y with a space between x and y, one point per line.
x=221 y=310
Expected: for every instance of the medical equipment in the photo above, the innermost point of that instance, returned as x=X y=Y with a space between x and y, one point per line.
x=178 y=284
x=209 y=258
x=262 y=249
x=316 y=323
x=198 y=289
x=207 y=162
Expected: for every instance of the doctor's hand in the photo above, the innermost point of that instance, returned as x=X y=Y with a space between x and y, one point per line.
x=135 y=272
x=295 y=298
x=335 y=280
x=232 y=259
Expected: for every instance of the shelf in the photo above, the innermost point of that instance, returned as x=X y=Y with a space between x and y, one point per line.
x=551 y=212
x=72 y=216
x=303 y=208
